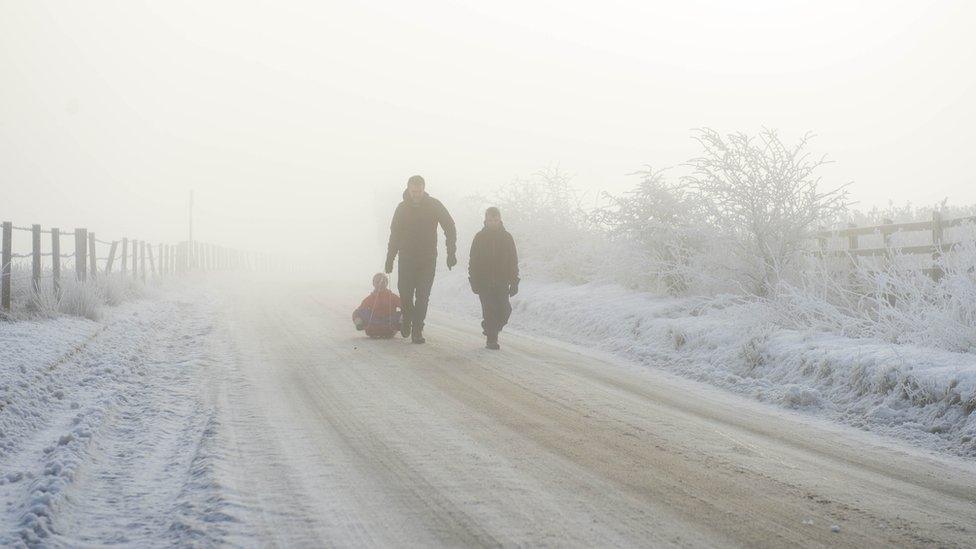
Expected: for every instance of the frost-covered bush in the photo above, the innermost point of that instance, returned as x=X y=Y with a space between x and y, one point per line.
x=906 y=213
x=763 y=199
x=552 y=228
x=658 y=222
x=655 y=221
x=741 y=219
x=887 y=302
x=742 y=223
x=117 y=289
x=85 y=299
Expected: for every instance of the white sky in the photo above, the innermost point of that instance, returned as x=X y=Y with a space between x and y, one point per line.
x=289 y=119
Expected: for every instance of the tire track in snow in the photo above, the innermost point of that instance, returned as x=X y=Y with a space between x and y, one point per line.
x=130 y=465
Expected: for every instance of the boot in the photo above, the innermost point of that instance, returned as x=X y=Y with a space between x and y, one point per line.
x=405 y=326
x=418 y=335
x=493 y=341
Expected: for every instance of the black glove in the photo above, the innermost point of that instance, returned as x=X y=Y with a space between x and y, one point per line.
x=389 y=265
x=451 y=261
x=513 y=288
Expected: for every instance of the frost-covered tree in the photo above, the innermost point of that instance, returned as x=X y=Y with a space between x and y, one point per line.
x=554 y=233
x=763 y=197
x=656 y=218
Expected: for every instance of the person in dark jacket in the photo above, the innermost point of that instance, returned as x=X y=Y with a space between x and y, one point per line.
x=494 y=274
x=413 y=236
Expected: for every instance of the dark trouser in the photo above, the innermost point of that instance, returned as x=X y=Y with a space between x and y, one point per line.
x=414 y=280
x=495 y=309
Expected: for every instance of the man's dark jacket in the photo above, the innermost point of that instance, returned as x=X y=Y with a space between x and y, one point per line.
x=413 y=232
x=493 y=262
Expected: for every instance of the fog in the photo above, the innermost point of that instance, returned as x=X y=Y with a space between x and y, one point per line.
x=297 y=124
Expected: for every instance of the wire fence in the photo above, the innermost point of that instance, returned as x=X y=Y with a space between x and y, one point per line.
x=127 y=258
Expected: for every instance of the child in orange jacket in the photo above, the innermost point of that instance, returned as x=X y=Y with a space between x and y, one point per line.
x=379 y=314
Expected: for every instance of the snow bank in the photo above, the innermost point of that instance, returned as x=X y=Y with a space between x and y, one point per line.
x=915 y=393
x=85 y=403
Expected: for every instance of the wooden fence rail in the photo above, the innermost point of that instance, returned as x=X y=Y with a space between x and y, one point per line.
x=936 y=227
x=173 y=259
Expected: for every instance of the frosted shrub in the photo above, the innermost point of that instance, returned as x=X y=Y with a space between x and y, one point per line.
x=117 y=289
x=907 y=213
x=83 y=299
x=661 y=223
x=44 y=304
x=551 y=227
x=887 y=302
x=742 y=218
x=763 y=199
x=655 y=222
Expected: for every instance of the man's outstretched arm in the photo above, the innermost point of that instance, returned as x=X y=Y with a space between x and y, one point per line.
x=450 y=234
x=393 y=246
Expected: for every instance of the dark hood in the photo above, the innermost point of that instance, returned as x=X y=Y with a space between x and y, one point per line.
x=406 y=195
x=501 y=228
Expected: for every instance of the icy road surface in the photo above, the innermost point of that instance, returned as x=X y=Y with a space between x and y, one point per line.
x=258 y=416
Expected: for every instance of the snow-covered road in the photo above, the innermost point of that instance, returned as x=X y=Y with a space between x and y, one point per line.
x=259 y=416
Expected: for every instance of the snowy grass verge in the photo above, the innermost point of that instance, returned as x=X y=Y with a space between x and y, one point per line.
x=917 y=393
x=94 y=414
x=87 y=299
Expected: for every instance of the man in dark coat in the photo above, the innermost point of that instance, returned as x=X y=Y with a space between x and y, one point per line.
x=413 y=235
x=494 y=274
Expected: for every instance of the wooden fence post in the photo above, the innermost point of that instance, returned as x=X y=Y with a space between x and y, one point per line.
x=81 y=254
x=5 y=258
x=142 y=258
x=851 y=252
x=888 y=258
x=35 y=258
x=937 y=239
x=886 y=235
x=125 y=254
x=56 y=260
x=92 y=256
x=851 y=238
x=111 y=257
x=135 y=259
